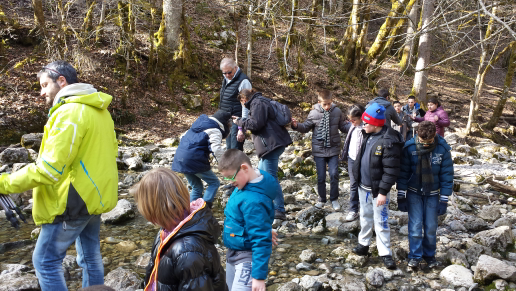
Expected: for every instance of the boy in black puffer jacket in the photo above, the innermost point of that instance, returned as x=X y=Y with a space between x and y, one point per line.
x=376 y=169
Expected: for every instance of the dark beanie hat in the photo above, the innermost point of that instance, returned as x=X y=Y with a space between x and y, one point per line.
x=222 y=116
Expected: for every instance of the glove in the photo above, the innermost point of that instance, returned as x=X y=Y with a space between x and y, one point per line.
x=402 y=201
x=443 y=204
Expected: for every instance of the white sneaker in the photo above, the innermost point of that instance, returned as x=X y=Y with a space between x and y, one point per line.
x=320 y=204
x=335 y=204
x=352 y=216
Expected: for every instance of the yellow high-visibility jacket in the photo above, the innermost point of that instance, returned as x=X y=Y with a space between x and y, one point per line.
x=76 y=171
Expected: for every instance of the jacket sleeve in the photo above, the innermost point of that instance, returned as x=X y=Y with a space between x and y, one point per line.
x=257 y=119
x=405 y=170
x=443 y=120
x=391 y=167
x=61 y=147
x=446 y=174
x=190 y=269
x=419 y=119
x=215 y=139
x=394 y=115
x=308 y=125
x=344 y=125
x=260 y=236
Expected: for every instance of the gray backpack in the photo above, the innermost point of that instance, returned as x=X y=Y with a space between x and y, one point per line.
x=282 y=113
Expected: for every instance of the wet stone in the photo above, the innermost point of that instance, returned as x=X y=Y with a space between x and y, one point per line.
x=303 y=266
x=308 y=256
x=122 y=279
x=375 y=278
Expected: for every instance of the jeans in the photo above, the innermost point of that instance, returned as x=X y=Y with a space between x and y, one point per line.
x=354 y=202
x=195 y=180
x=269 y=163
x=372 y=215
x=333 y=165
x=231 y=139
x=238 y=277
x=422 y=212
x=54 y=240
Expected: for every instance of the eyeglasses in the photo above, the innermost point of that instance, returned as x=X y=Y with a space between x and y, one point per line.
x=45 y=68
x=234 y=176
x=227 y=73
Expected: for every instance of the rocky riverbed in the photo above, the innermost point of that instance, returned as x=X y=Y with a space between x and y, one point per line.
x=475 y=239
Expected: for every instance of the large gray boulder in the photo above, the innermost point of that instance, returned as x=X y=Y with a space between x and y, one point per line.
x=123 y=211
x=475 y=224
x=11 y=156
x=489 y=269
x=134 y=163
x=375 y=277
x=474 y=252
x=334 y=220
x=496 y=239
x=455 y=257
x=490 y=212
x=310 y=283
x=349 y=227
x=310 y=216
x=32 y=141
x=18 y=281
x=308 y=256
x=122 y=279
x=457 y=276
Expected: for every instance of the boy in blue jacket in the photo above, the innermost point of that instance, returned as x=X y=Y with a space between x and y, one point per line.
x=248 y=224
x=192 y=157
x=424 y=184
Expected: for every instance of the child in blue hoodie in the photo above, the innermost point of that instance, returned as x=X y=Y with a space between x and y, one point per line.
x=248 y=224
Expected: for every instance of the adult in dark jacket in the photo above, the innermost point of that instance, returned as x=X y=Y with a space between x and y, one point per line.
x=435 y=114
x=424 y=185
x=269 y=138
x=233 y=83
x=390 y=112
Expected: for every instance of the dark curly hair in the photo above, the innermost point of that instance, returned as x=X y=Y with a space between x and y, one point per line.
x=426 y=130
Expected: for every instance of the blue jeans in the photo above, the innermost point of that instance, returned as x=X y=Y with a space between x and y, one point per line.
x=195 y=180
x=269 y=163
x=53 y=241
x=231 y=139
x=333 y=164
x=354 y=201
x=422 y=212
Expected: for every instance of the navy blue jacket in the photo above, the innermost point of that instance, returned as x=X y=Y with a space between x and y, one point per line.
x=248 y=224
x=442 y=168
x=193 y=154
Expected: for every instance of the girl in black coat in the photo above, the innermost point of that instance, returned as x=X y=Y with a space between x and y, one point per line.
x=184 y=256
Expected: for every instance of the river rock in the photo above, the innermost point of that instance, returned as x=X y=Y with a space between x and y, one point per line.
x=401 y=217
x=18 y=166
x=475 y=224
x=341 y=252
x=310 y=283
x=289 y=186
x=122 y=279
x=375 y=277
x=70 y=263
x=295 y=135
x=455 y=257
x=290 y=286
x=248 y=147
x=192 y=102
x=456 y=225
x=474 y=252
x=303 y=266
x=308 y=256
x=489 y=268
x=334 y=220
x=404 y=230
x=349 y=227
x=143 y=260
x=18 y=281
x=123 y=211
x=490 y=212
x=311 y=216
x=11 y=156
x=356 y=260
x=289 y=199
x=496 y=239
x=11 y=268
x=34 y=234
x=503 y=221
x=126 y=246
x=134 y=163
x=32 y=141
x=457 y=276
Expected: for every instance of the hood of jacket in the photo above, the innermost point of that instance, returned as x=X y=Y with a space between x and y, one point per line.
x=440 y=142
x=81 y=93
x=247 y=104
x=264 y=186
x=381 y=101
x=204 y=122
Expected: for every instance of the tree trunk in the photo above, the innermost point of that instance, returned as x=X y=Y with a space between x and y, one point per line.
x=87 y=25
x=347 y=46
x=425 y=47
x=408 y=49
x=266 y=12
x=172 y=11
x=39 y=17
x=310 y=32
x=249 y=51
x=284 y=68
x=507 y=85
x=482 y=71
x=100 y=28
x=361 y=40
x=235 y=28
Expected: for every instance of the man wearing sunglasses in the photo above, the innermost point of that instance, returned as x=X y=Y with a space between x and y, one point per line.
x=75 y=177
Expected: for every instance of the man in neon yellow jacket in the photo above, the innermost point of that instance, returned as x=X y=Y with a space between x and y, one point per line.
x=75 y=177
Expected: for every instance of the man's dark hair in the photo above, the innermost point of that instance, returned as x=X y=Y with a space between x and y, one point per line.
x=246 y=94
x=60 y=68
x=412 y=97
x=384 y=93
x=396 y=102
x=356 y=110
x=426 y=130
x=232 y=159
x=97 y=288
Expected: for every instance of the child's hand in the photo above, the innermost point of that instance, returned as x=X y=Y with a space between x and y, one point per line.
x=240 y=136
x=235 y=118
x=274 y=238
x=294 y=123
x=258 y=285
x=380 y=200
x=436 y=117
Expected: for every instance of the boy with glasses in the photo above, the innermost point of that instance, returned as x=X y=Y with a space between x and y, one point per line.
x=248 y=224
x=424 y=184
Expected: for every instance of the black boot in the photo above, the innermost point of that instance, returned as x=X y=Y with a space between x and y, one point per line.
x=361 y=250
x=389 y=262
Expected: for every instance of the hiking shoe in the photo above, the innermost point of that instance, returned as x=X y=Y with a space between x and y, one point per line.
x=389 y=262
x=279 y=215
x=413 y=263
x=432 y=263
x=335 y=204
x=352 y=216
x=361 y=250
x=320 y=204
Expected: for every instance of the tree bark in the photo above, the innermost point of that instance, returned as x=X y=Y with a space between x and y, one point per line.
x=100 y=27
x=425 y=47
x=172 y=11
x=361 y=40
x=507 y=85
x=39 y=17
x=87 y=24
x=347 y=46
x=249 y=51
x=408 y=49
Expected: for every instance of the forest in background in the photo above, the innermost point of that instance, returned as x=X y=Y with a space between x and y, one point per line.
x=160 y=59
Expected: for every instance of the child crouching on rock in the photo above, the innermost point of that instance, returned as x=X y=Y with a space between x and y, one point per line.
x=183 y=256
x=424 y=184
x=376 y=169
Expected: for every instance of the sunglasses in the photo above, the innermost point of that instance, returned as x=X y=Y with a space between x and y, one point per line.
x=234 y=176
x=227 y=73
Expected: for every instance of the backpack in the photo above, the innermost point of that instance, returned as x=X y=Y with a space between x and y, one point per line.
x=282 y=113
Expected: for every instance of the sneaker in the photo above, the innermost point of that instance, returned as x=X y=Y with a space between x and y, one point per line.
x=320 y=204
x=432 y=263
x=335 y=204
x=352 y=216
x=361 y=250
x=389 y=262
x=413 y=263
x=279 y=215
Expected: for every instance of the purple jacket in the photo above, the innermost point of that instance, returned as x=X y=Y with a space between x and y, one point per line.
x=441 y=123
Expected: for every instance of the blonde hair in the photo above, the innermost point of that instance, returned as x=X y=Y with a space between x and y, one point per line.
x=323 y=95
x=162 y=197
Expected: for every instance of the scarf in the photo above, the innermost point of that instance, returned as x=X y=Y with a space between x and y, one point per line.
x=424 y=165
x=324 y=129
